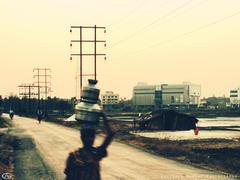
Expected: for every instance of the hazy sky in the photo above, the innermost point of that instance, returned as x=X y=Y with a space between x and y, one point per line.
x=154 y=41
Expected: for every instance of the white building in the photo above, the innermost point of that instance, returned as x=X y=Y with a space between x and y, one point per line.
x=110 y=98
x=181 y=94
x=166 y=94
x=235 y=96
x=144 y=95
x=194 y=93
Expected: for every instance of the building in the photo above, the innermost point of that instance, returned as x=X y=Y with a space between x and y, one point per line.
x=166 y=94
x=109 y=98
x=146 y=95
x=235 y=97
x=203 y=103
x=181 y=94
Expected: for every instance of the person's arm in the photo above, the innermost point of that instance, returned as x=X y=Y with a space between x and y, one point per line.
x=110 y=133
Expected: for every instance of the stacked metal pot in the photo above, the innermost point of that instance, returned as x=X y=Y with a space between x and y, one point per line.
x=88 y=111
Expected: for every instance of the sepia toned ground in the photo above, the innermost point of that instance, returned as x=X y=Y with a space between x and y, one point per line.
x=216 y=146
x=54 y=142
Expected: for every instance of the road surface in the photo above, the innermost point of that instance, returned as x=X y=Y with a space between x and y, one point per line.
x=123 y=162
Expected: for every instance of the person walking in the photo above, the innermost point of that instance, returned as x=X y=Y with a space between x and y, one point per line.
x=11 y=114
x=83 y=164
x=39 y=115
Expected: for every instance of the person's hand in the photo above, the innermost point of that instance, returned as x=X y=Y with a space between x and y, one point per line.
x=110 y=132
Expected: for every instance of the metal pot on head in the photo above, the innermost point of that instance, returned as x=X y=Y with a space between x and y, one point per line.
x=88 y=112
x=90 y=93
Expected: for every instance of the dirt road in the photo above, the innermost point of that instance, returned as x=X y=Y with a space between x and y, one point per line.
x=123 y=162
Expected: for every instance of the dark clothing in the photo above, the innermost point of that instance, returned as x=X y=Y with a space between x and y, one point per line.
x=83 y=164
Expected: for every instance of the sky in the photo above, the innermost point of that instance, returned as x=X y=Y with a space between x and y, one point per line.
x=153 y=41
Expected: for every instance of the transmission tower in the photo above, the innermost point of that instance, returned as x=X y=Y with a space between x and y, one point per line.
x=27 y=90
x=81 y=41
x=43 y=81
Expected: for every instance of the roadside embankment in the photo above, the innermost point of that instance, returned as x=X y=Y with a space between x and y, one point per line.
x=28 y=163
x=19 y=157
x=195 y=113
x=6 y=148
x=216 y=154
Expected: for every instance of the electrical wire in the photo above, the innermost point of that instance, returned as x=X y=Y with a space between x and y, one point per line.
x=185 y=11
x=116 y=24
x=152 y=23
x=189 y=32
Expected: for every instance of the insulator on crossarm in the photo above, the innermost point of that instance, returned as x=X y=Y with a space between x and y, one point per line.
x=105 y=45
x=105 y=58
x=105 y=31
x=70 y=30
x=70 y=44
x=71 y=58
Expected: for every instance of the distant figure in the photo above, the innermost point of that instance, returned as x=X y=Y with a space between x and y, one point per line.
x=134 y=124
x=83 y=164
x=11 y=114
x=39 y=115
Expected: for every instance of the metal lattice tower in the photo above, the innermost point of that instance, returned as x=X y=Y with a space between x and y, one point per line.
x=81 y=41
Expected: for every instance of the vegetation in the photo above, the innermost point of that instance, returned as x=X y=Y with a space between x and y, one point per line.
x=63 y=107
x=122 y=106
x=25 y=106
x=216 y=102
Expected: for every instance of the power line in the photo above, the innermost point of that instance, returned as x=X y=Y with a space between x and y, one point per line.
x=126 y=17
x=152 y=23
x=186 y=10
x=129 y=14
x=189 y=32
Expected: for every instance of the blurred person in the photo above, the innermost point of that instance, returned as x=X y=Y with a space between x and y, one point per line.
x=11 y=114
x=83 y=164
x=39 y=115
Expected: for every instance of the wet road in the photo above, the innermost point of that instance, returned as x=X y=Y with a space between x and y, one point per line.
x=123 y=162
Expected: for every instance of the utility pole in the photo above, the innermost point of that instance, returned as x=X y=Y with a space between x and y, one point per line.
x=81 y=42
x=27 y=90
x=43 y=81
